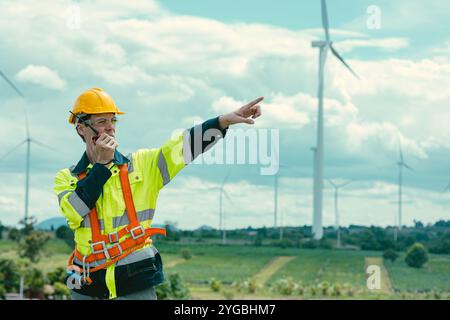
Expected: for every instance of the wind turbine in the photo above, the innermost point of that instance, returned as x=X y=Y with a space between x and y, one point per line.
x=446 y=188
x=28 y=141
x=336 y=211
x=221 y=214
x=275 y=194
x=323 y=46
x=401 y=163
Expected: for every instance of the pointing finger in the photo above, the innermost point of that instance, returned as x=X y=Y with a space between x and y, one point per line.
x=250 y=104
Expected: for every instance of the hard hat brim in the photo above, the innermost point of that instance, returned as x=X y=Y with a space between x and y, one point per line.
x=72 y=117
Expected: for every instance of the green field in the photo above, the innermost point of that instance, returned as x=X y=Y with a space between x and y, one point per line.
x=314 y=266
x=233 y=263
x=435 y=275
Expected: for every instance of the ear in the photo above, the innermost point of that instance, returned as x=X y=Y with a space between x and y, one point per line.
x=80 y=130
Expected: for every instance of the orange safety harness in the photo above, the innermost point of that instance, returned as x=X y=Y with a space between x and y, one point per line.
x=108 y=246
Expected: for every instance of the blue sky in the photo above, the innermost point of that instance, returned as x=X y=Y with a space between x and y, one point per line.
x=170 y=64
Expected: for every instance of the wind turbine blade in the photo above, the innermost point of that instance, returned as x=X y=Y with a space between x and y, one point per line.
x=345 y=183
x=446 y=188
x=331 y=182
x=227 y=196
x=43 y=145
x=325 y=23
x=226 y=178
x=337 y=55
x=12 y=150
x=11 y=84
x=407 y=167
x=400 y=151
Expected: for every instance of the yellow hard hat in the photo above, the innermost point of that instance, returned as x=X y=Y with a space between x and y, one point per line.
x=94 y=101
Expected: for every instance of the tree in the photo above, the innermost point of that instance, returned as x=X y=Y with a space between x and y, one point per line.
x=14 y=234
x=417 y=255
x=2 y=227
x=32 y=245
x=10 y=273
x=28 y=225
x=66 y=234
x=390 y=254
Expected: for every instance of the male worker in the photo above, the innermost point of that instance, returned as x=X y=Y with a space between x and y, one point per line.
x=109 y=199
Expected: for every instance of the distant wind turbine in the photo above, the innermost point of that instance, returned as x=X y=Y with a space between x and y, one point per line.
x=222 y=193
x=28 y=141
x=401 y=164
x=318 y=149
x=446 y=188
x=275 y=194
x=336 y=210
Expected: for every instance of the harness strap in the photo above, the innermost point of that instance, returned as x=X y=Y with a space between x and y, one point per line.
x=119 y=250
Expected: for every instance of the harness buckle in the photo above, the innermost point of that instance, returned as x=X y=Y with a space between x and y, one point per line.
x=140 y=234
x=96 y=251
x=113 y=237
x=112 y=256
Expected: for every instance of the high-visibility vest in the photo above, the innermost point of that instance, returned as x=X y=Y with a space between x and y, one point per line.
x=108 y=249
x=148 y=171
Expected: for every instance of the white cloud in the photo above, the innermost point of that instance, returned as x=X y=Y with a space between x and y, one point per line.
x=41 y=75
x=385 y=44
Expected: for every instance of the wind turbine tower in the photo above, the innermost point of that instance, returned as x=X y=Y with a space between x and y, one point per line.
x=323 y=46
x=401 y=164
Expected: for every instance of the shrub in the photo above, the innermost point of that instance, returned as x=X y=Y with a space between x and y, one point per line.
x=57 y=275
x=285 y=286
x=416 y=256
x=215 y=285
x=323 y=287
x=172 y=288
x=186 y=254
x=228 y=294
x=61 y=289
x=34 y=280
x=310 y=244
x=336 y=290
x=11 y=276
x=390 y=254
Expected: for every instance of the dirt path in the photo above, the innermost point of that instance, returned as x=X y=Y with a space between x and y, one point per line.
x=269 y=269
x=385 y=282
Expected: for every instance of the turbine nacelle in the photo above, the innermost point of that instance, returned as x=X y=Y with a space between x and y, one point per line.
x=321 y=44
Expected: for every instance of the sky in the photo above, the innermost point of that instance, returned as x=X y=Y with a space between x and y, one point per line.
x=173 y=64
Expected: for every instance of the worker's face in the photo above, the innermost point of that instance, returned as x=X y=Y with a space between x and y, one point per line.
x=103 y=123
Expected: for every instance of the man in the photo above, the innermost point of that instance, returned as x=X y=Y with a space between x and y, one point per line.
x=109 y=199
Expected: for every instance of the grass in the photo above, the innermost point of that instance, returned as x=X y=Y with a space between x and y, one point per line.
x=434 y=275
x=314 y=266
x=225 y=263
x=272 y=267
